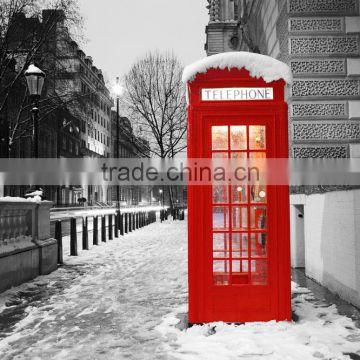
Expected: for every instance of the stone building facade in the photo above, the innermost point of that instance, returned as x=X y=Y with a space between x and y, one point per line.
x=79 y=126
x=319 y=39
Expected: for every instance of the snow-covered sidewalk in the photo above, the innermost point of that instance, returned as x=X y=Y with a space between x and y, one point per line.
x=125 y=300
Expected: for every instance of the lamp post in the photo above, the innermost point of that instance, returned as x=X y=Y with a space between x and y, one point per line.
x=118 y=90
x=35 y=81
x=161 y=192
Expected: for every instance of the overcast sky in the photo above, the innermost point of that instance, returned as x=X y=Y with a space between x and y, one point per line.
x=120 y=31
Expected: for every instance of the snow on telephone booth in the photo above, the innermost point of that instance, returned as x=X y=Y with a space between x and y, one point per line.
x=239 y=247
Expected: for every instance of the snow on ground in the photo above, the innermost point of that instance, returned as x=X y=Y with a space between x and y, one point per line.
x=320 y=333
x=124 y=300
x=259 y=66
x=110 y=309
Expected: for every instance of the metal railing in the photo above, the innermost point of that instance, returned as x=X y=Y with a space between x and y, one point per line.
x=103 y=228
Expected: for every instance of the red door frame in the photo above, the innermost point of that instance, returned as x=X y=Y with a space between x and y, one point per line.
x=202 y=115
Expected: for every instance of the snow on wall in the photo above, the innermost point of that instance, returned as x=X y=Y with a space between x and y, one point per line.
x=332 y=241
x=36 y=199
x=259 y=66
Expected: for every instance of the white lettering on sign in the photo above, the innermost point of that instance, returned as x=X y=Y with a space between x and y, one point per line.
x=237 y=94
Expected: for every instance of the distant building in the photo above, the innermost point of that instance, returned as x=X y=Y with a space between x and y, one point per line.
x=130 y=146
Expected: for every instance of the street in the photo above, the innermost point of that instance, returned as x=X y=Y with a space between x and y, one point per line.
x=127 y=299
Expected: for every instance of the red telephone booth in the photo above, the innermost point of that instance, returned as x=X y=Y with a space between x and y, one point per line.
x=239 y=248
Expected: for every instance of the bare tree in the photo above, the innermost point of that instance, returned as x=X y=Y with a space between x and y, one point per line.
x=155 y=100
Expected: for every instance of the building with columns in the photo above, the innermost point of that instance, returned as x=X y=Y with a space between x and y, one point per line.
x=320 y=41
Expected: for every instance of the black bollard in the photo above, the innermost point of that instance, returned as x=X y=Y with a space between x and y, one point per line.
x=121 y=219
x=85 y=237
x=117 y=223
x=130 y=222
x=110 y=227
x=126 y=223
x=95 y=231
x=73 y=238
x=58 y=237
x=103 y=228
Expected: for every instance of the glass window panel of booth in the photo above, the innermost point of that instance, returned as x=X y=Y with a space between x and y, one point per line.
x=257 y=155
x=220 y=194
x=239 y=212
x=258 y=218
x=238 y=155
x=220 y=137
x=239 y=217
x=238 y=138
x=220 y=218
x=257 y=137
x=220 y=155
x=221 y=245
x=239 y=194
x=258 y=194
x=240 y=245
x=258 y=243
x=259 y=272
x=221 y=272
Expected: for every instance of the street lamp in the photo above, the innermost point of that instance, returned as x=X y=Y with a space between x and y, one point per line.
x=35 y=81
x=118 y=90
x=161 y=192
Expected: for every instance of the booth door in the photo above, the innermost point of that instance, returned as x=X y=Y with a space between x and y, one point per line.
x=242 y=278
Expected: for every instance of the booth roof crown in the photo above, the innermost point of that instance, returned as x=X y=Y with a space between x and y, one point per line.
x=259 y=66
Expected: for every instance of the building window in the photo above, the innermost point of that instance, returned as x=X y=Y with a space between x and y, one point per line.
x=77 y=149
x=70 y=145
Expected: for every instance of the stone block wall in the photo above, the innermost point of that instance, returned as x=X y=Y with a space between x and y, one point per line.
x=26 y=248
x=320 y=41
x=329 y=243
x=324 y=52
